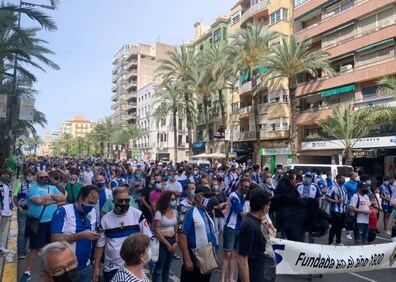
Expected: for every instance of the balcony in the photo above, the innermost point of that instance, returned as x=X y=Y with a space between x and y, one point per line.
x=181 y=145
x=115 y=97
x=257 y=8
x=265 y=135
x=312 y=116
x=132 y=73
x=246 y=111
x=133 y=51
x=133 y=63
x=115 y=106
x=115 y=69
x=358 y=74
x=246 y=87
x=306 y=7
x=114 y=88
x=130 y=106
x=360 y=9
x=131 y=85
x=357 y=41
x=130 y=118
x=278 y=110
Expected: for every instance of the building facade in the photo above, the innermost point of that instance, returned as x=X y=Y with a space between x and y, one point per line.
x=134 y=68
x=77 y=127
x=360 y=38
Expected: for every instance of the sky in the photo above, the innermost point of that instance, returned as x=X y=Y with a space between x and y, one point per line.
x=90 y=32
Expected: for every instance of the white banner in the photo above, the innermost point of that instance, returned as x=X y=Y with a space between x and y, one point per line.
x=3 y=106
x=26 y=110
x=295 y=258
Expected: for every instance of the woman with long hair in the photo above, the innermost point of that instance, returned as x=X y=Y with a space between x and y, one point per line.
x=165 y=226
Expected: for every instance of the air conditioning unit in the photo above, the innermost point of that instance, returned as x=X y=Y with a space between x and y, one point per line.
x=346 y=68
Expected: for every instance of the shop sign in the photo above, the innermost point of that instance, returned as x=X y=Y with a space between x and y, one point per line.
x=274 y=151
x=360 y=154
x=368 y=142
x=232 y=155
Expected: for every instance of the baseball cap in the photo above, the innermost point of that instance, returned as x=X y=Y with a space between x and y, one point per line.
x=205 y=190
x=308 y=174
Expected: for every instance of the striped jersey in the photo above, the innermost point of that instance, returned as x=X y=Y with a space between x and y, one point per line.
x=69 y=220
x=309 y=191
x=336 y=192
x=235 y=203
x=116 y=228
x=123 y=275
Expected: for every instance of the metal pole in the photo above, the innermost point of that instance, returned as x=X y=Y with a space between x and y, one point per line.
x=13 y=101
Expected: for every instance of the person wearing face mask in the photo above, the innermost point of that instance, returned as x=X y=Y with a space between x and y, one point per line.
x=156 y=193
x=385 y=192
x=59 y=263
x=173 y=185
x=232 y=226
x=88 y=175
x=145 y=198
x=73 y=188
x=42 y=200
x=267 y=182
x=197 y=231
x=360 y=204
x=76 y=224
x=109 y=204
x=307 y=189
x=196 y=176
x=277 y=176
x=104 y=193
x=337 y=196
x=187 y=202
x=255 y=264
x=219 y=200
x=165 y=227
x=116 y=226
x=136 y=252
x=20 y=201
x=351 y=187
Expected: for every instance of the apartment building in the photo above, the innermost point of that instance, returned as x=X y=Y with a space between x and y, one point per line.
x=360 y=38
x=50 y=137
x=77 y=127
x=275 y=16
x=157 y=141
x=134 y=68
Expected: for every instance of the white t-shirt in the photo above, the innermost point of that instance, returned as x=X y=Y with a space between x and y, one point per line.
x=166 y=223
x=174 y=186
x=364 y=205
x=88 y=175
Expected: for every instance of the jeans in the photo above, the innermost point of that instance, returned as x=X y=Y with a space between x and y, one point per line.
x=21 y=241
x=107 y=276
x=336 y=226
x=162 y=266
x=219 y=224
x=361 y=233
x=85 y=274
x=193 y=276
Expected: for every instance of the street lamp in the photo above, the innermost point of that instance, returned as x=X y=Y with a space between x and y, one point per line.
x=13 y=100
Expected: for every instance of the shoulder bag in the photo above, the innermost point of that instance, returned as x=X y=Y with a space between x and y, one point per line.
x=205 y=256
x=33 y=223
x=350 y=218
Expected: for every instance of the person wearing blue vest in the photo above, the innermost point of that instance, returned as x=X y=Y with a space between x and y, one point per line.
x=20 y=201
x=76 y=224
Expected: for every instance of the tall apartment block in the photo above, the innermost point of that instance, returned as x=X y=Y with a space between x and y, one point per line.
x=360 y=38
x=134 y=68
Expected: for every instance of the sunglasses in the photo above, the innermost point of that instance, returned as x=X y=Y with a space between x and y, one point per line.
x=121 y=201
x=43 y=177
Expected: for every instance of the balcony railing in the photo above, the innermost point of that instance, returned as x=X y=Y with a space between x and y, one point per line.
x=114 y=88
x=131 y=85
x=280 y=133
x=246 y=87
x=260 y=6
x=115 y=96
x=132 y=63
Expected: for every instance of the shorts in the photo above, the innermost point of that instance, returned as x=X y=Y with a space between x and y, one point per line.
x=387 y=209
x=230 y=239
x=361 y=232
x=42 y=238
x=372 y=234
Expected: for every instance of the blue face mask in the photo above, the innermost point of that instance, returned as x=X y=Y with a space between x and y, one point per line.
x=173 y=203
x=170 y=178
x=192 y=193
x=215 y=187
x=101 y=185
x=368 y=182
x=307 y=180
x=87 y=208
x=152 y=182
x=158 y=186
x=137 y=176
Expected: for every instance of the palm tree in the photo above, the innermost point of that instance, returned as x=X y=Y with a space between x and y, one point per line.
x=169 y=99
x=387 y=85
x=124 y=135
x=103 y=133
x=67 y=142
x=35 y=141
x=178 y=69
x=289 y=59
x=249 y=52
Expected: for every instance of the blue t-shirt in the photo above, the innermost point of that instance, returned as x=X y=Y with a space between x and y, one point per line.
x=35 y=210
x=351 y=188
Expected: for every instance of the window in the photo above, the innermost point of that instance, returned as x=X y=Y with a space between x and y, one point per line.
x=217 y=35
x=163 y=121
x=377 y=55
x=224 y=33
x=281 y=14
x=370 y=91
x=299 y=2
x=235 y=107
x=236 y=18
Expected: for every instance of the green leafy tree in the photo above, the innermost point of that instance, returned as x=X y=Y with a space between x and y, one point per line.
x=387 y=85
x=103 y=132
x=249 y=52
x=169 y=100
x=289 y=59
x=178 y=68
x=124 y=135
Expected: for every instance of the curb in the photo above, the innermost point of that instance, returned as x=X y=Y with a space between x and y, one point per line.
x=10 y=262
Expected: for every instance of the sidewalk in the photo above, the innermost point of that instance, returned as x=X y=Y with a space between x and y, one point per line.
x=8 y=242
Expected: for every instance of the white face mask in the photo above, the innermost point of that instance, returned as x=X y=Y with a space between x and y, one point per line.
x=268 y=180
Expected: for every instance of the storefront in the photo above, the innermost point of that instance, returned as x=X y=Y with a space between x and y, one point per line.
x=275 y=156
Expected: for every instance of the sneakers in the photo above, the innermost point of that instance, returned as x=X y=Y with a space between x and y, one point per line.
x=349 y=235
x=25 y=277
x=21 y=257
x=340 y=244
x=388 y=232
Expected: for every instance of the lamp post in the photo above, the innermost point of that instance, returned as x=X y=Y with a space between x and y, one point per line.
x=13 y=98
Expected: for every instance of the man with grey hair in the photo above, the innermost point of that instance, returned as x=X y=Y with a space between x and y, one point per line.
x=59 y=263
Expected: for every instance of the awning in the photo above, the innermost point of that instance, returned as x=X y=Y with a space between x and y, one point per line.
x=244 y=77
x=338 y=90
x=342 y=57
x=328 y=3
x=368 y=47
x=262 y=70
x=339 y=28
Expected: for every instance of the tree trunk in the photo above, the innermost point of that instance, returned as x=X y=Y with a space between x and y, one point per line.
x=348 y=155
x=174 y=117
x=206 y=118
x=189 y=123
x=256 y=117
x=293 y=127
x=223 y=121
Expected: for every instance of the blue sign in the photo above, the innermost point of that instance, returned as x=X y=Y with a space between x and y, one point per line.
x=199 y=145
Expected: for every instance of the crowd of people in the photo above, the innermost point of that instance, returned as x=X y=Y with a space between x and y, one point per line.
x=104 y=220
